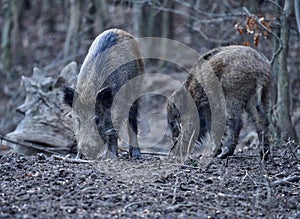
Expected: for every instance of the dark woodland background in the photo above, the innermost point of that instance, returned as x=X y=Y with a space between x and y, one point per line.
x=50 y=34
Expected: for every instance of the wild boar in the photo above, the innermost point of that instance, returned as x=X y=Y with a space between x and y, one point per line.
x=113 y=60
x=244 y=76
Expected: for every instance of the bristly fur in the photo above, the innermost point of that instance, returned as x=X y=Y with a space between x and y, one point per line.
x=244 y=75
x=108 y=40
x=113 y=59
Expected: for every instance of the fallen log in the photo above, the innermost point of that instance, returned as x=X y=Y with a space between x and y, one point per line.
x=45 y=126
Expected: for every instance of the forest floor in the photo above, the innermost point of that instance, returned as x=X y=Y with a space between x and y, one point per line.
x=42 y=186
x=241 y=186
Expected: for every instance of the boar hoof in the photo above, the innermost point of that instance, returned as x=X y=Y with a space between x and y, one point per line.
x=217 y=152
x=134 y=152
x=226 y=152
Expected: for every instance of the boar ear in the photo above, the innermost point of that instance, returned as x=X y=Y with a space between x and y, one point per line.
x=105 y=97
x=68 y=96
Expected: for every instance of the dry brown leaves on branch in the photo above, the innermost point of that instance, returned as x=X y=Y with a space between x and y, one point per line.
x=255 y=27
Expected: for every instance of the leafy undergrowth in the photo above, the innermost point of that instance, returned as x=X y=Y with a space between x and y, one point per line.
x=151 y=187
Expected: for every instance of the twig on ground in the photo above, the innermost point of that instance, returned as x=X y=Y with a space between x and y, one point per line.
x=155 y=154
x=175 y=190
x=288 y=179
x=257 y=195
x=72 y=160
x=190 y=142
x=223 y=195
x=184 y=165
x=251 y=179
x=245 y=156
x=137 y=203
x=173 y=208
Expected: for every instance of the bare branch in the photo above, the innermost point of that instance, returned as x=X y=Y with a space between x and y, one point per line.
x=275 y=4
x=198 y=30
x=207 y=14
x=266 y=29
x=217 y=16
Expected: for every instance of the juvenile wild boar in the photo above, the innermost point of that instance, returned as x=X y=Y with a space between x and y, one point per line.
x=244 y=75
x=113 y=59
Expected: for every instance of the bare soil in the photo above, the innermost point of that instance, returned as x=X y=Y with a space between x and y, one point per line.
x=242 y=186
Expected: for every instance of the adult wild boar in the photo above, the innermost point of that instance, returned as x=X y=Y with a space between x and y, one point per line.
x=244 y=76
x=113 y=60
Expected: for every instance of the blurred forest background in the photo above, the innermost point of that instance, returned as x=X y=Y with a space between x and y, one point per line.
x=50 y=34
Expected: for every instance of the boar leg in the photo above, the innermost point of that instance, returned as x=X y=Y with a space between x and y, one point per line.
x=233 y=127
x=258 y=114
x=112 y=143
x=134 y=150
x=262 y=130
x=205 y=121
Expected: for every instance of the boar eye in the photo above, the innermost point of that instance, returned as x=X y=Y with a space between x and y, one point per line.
x=104 y=97
x=97 y=120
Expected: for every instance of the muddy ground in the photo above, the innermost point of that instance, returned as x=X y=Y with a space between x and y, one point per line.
x=242 y=186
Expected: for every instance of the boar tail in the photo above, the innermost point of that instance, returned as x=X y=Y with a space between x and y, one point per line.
x=259 y=89
x=260 y=101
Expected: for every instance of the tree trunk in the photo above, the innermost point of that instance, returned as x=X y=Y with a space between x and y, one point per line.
x=18 y=52
x=166 y=28
x=6 y=40
x=297 y=13
x=89 y=21
x=48 y=10
x=137 y=18
x=148 y=21
x=12 y=49
x=283 y=100
x=71 y=43
x=96 y=18
x=101 y=16
x=167 y=20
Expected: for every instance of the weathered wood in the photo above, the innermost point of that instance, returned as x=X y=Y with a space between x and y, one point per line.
x=283 y=99
x=45 y=127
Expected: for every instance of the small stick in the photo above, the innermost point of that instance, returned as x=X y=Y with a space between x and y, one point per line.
x=72 y=160
x=175 y=190
x=137 y=203
x=285 y=180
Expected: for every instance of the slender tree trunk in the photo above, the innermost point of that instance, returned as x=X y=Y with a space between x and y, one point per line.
x=297 y=13
x=71 y=43
x=101 y=15
x=167 y=20
x=6 y=40
x=89 y=20
x=148 y=20
x=18 y=52
x=166 y=27
x=283 y=100
x=12 y=48
x=137 y=18
x=275 y=71
x=48 y=10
